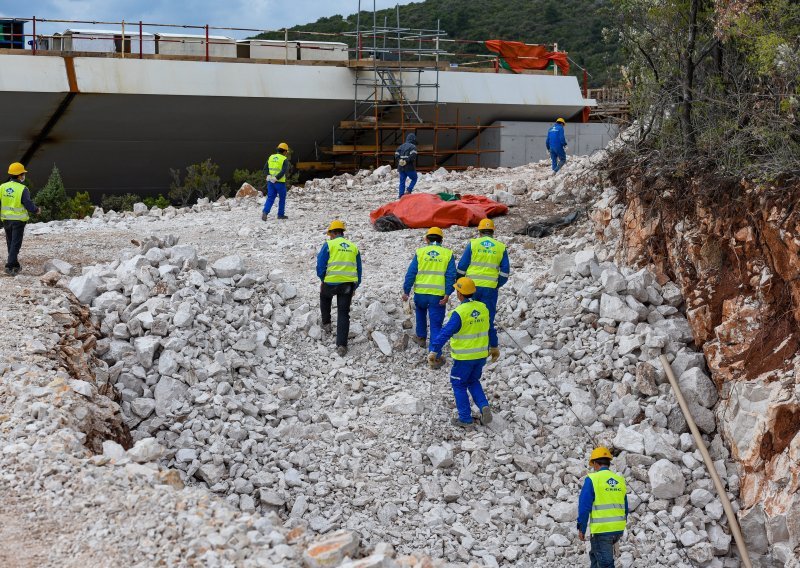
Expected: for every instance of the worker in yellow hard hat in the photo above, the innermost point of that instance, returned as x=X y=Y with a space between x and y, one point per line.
x=468 y=333
x=16 y=207
x=432 y=274
x=485 y=260
x=339 y=269
x=556 y=144
x=603 y=506
x=276 y=168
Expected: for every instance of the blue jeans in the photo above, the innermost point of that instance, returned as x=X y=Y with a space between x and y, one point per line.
x=425 y=305
x=602 y=553
x=489 y=297
x=465 y=378
x=412 y=175
x=276 y=189
x=559 y=157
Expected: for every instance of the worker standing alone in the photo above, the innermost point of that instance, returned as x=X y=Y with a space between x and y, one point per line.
x=432 y=273
x=16 y=207
x=556 y=144
x=603 y=505
x=468 y=333
x=276 y=168
x=339 y=268
x=485 y=260
x=406 y=159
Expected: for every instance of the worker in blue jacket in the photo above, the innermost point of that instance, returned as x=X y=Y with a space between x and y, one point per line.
x=405 y=158
x=556 y=144
x=276 y=169
x=432 y=274
x=603 y=506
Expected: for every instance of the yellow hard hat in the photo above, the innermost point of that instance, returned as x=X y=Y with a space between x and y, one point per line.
x=283 y=146
x=17 y=169
x=435 y=231
x=600 y=452
x=486 y=225
x=561 y=120
x=336 y=225
x=466 y=286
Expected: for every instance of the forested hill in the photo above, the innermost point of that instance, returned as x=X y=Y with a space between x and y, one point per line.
x=575 y=25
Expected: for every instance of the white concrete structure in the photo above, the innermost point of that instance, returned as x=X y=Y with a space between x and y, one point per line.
x=102 y=41
x=323 y=51
x=270 y=49
x=195 y=45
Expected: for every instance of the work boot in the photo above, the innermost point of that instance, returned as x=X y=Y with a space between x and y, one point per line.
x=327 y=328
x=16 y=270
x=421 y=341
x=341 y=350
x=263 y=216
x=455 y=421
x=9 y=271
x=486 y=415
x=282 y=217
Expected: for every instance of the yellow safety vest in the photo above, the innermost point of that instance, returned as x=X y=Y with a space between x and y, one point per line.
x=484 y=265
x=471 y=341
x=608 y=509
x=432 y=264
x=275 y=163
x=11 y=208
x=342 y=266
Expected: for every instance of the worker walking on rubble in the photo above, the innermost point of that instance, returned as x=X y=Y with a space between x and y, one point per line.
x=432 y=274
x=339 y=269
x=485 y=260
x=556 y=144
x=603 y=505
x=276 y=168
x=16 y=207
x=468 y=333
x=405 y=157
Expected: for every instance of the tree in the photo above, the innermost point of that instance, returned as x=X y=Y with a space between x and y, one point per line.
x=52 y=198
x=202 y=180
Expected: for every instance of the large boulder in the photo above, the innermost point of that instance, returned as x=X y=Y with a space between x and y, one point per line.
x=698 y=387
x=168 y=391
x=85 y=287
x=228 y=266
x=666 y=480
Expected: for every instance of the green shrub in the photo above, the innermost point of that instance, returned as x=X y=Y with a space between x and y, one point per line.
x=256 y=178
x=202 y=180
x=52 y=198
x=80 y=205
x=161 y=202
x=119 y=203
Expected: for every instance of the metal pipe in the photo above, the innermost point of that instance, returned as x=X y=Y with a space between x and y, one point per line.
x=123 y=40
x=286 y=46
x=33 y=45
x=141 y=50
x=206 y=42
x=733 y=523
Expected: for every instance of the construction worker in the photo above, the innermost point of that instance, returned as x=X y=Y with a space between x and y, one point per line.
x=432 y=273
x=485 y=260
x=468 y=333
x=16 y=206
x=556 y=144
x=339 y=268
x=603 y=505
x=276 y=168
x=406 y=159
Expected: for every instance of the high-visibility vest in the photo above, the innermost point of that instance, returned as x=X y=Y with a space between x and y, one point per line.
x=471 y=341
x=342 y=266
x=275 y=163
x=608 y=509
x=11 y=208
x=432 y=264
x=484 y=265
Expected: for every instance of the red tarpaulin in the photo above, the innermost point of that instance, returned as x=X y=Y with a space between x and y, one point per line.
x=519 y=56
x=420 y=210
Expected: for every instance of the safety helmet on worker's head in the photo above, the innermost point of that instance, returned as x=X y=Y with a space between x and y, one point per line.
x=486 y=225
x=561 y=120
x=283 y=146
x=600 y=452
x=17 y=169
x=466 y=286
x=336 y=225
x=435 y=231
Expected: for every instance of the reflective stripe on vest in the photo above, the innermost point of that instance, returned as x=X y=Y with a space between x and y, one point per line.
x=608 y=509
x=486 y=254
x=11 y=208
x=471 y=341
x=342 y=266
x=432 y=264
x=275 y=163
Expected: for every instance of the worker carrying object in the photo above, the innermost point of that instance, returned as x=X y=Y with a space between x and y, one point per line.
x=276 y=168
x=556 y=144
x=485 y=260
x=603 y=505
x=339 y=268
x=405 y=158
x=468 y=333
x=16 y=206
x=432 y=274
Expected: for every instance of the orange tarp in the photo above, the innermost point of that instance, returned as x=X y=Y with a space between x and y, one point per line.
x=520 y=56
x=419 y=210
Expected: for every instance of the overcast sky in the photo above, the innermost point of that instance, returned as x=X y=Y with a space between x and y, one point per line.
x=256 y=14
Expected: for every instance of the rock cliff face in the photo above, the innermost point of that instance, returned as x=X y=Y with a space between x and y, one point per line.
x=735 y=252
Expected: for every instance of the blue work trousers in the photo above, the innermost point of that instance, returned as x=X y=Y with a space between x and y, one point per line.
x=602 y=553
x=489 y=297
x=559 y=158
x=412 y=175
x=465 y=378
x=427 y=305
x=276 y=189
